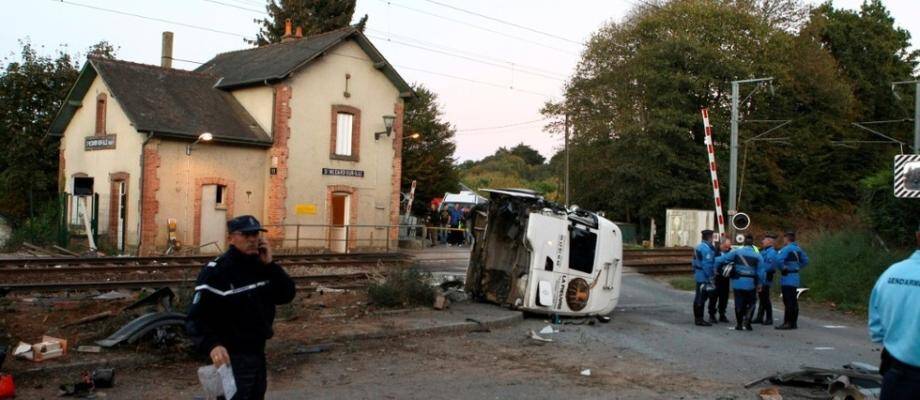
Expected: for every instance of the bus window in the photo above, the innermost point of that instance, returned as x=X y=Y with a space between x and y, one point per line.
x=581 y=249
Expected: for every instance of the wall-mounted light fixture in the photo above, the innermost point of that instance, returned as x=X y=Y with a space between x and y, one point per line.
x=388 y=123
x=204 y=137
x=415 y=135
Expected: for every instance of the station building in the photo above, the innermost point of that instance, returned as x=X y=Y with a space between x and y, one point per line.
x=305 y=134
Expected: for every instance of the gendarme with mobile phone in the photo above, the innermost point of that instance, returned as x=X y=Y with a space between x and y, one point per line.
x=233 y=307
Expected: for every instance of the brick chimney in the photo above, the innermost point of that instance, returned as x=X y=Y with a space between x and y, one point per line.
x=166 y=56
x=299 y=33
x=287 y=32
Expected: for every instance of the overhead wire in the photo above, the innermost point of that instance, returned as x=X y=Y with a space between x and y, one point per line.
x=509 y=23
x=499 y=127
x=482 y=28
x=236 y=6
x=191 y=26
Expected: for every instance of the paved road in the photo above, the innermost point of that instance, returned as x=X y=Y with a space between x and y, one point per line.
x=649 y=350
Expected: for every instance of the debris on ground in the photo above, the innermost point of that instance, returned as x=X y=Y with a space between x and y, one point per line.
x=770 y=393
x=141 y=326
x=440 y=301
x=91 y=318
x=319 y=348
x=83 y=388
x=548 y=329
x=89 y=349
x=48 y=348
x=456 y=295
x=323 y=289
x=7 y=387
x=163 y=297
x=853 y=381
x=586 y=372
x=480 y=327
x=534 y=336
x=104 y=378
x=112 y=295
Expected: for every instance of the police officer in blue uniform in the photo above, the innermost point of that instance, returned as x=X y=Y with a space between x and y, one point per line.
x=746 y=276
x=723 y=285
x=764 y=305
x=703 y=257
x=895 y=323
x=233 y=307
x=790 y=260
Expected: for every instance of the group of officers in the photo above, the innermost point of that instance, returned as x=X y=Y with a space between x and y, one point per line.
x=749 y=272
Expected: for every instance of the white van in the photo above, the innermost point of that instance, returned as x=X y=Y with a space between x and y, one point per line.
x=537 y=256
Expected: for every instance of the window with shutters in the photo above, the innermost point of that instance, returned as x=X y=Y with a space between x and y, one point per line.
x=345 y=135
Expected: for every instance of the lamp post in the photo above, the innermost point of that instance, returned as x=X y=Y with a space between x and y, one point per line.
x=204 y=137
x=388 y=124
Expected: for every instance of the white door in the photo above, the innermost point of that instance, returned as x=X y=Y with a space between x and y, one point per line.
x=213 y=219
x=122 y=212
x=340 y=217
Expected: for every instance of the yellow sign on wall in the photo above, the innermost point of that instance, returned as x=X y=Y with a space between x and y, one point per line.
x=305 y=209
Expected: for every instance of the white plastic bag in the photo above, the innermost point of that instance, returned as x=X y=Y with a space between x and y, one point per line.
x=217 y=381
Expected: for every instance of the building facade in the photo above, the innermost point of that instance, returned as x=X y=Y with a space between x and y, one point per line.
x=305 y=134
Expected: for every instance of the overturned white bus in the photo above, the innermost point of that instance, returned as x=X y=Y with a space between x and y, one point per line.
x=538 y=256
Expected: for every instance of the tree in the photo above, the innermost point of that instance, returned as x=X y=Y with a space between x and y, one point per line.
x=314 y=16
x=429 y=159
x=528 y=154
x=633 y=105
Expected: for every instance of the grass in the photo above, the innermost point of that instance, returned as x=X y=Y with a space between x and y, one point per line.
x=683 y=283
x=844 y=267
x=404 y=288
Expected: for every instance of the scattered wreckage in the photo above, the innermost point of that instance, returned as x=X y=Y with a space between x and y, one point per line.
x=855 y=381
x=538 y=256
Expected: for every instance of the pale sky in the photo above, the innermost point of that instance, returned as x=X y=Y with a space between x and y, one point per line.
x=517 y=70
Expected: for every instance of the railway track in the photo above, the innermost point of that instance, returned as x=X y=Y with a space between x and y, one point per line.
x=666 y=261
x=73 y=273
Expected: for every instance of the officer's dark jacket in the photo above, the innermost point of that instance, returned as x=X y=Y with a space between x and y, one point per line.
x=234 y=303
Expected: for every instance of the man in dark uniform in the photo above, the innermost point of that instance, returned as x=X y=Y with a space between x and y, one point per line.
x=233 y=307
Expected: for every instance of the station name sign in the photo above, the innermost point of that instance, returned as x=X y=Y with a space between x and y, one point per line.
x=99 y=142
x=343 y=172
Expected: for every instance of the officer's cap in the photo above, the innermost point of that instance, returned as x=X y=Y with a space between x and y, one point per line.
x=770 y=235
x=790 y=234
x=706 y=232
x=244 y=223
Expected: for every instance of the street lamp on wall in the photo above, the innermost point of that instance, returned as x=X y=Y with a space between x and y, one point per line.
x=388 y=124
x=204 y=137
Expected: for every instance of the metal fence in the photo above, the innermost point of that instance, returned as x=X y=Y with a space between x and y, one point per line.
x=322 y=238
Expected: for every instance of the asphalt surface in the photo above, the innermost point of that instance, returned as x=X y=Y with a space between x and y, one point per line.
x=654 y=321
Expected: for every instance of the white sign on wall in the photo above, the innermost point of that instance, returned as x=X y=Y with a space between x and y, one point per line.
x=683 y=227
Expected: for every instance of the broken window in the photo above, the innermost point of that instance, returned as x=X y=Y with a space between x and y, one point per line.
x=220 y=195
x=581 y=249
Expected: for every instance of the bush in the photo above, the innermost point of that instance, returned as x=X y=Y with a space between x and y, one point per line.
x=844 y=267
x=41 y=230
x=408 y=287
x=892 y=218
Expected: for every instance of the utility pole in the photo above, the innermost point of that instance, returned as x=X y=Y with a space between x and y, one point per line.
x=916 y=111
x=566 y=148
x=733 y=164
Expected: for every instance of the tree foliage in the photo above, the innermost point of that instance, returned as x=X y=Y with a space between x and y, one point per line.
x=429 y=159
x=32 y=89
x=520 y=167
x=634 y=100
x=314 y=16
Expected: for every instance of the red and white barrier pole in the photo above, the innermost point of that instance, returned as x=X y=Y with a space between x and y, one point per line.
x=713 y=172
